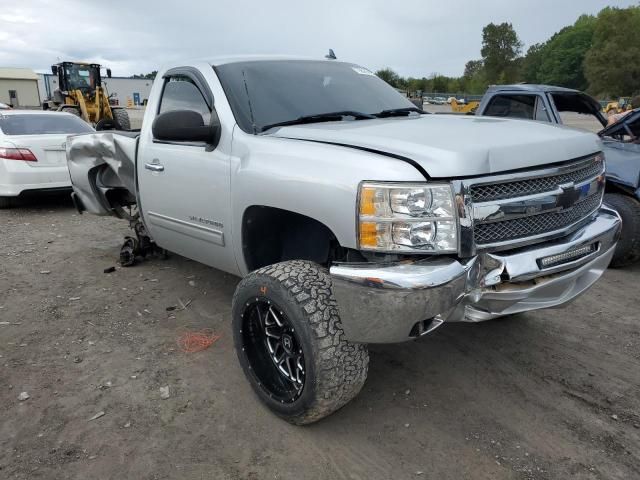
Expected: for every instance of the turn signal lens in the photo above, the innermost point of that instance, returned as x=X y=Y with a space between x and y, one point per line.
x=368 y=234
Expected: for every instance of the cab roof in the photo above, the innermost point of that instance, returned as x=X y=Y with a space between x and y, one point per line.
x=530 y=87
x=222 y=60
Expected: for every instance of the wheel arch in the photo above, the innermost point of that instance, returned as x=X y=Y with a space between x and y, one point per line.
x=271 y=235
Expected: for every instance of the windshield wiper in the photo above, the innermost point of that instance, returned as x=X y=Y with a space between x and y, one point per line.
x=320 y=117
x=398 y=112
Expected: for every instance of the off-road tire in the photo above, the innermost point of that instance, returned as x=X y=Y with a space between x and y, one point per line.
x=72 y=110
x=6 y=202
x=628 y=249
x=121 y=118
x=335 y=369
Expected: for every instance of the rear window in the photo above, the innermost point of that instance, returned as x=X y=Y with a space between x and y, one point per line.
x=35 y=124
x=513 y=106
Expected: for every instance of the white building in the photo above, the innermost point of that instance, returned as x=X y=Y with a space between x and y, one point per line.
x=19 y=87
x=127 y=92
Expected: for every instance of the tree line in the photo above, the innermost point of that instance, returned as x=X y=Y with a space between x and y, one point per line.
x=599 y=54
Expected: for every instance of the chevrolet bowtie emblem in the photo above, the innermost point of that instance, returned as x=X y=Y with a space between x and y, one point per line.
x=569 y=196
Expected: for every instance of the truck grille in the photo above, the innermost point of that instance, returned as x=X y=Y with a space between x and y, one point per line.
x=583 y=171
x=537 y=224
x=508 y=211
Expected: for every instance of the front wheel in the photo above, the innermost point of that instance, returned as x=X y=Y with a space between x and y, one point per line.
x=290 y=343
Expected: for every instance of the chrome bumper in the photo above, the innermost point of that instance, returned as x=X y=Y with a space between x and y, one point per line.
x=385 y=303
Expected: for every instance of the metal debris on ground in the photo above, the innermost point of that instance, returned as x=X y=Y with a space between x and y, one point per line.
x=97 y=415
x=23 y=396
x=164 y=392
x=184 y=305
x=191 y=342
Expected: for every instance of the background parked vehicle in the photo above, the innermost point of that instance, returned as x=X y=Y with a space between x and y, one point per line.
x=4 y=106
x=32 y=152
x=547 y=103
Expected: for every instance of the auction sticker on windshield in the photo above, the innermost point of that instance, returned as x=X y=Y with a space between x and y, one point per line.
x=362 y=71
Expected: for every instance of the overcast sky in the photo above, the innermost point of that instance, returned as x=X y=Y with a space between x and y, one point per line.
x=413 y=37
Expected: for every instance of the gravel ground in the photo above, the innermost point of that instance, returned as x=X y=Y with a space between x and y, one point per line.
x=546 y=395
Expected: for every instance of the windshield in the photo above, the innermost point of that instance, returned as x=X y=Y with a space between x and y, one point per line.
x=42 y=124
x=269 y=92
x=81 y=76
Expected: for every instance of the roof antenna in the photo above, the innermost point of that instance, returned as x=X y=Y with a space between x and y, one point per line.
x=331 y=56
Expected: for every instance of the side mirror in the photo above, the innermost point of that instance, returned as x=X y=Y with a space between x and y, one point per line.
x=108 y=73
x=185 y=126
x=54 y=69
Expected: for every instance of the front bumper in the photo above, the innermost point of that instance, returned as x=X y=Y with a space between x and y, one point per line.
x=386 y=303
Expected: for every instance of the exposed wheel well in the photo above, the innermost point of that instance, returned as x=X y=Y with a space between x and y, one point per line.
x=271 y=235
x=612 y=187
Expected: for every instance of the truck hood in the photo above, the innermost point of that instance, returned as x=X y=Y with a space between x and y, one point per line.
x=448 y=146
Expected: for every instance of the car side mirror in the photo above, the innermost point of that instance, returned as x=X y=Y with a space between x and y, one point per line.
x=186 y=126
x=54 y=69
x=108 y=73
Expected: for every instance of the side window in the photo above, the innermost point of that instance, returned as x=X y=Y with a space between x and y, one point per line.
x=513 y=106
x=180 y=93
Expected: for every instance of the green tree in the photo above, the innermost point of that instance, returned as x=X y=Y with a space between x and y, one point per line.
x=439 y=83
x=391 y=77
x=472 y=68
x=473 y=80
x=612 y=64
x=500 y=47
x=560 y=59
x=531 y=63
x=150 y=76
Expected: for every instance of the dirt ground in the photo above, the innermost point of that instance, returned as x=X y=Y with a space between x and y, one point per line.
x=547 y=395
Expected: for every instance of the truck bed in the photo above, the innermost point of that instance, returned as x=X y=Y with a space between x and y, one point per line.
x=102 y=166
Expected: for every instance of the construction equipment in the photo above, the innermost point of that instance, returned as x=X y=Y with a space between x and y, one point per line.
x=80 y=91
x=468 y=108
x=622 y=105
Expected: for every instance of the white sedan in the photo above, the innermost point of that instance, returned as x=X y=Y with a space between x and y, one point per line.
x=32 y=151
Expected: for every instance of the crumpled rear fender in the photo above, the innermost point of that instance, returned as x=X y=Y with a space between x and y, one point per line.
x=103 y=170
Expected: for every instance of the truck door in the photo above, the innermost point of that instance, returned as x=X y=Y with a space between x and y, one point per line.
x=185 y=186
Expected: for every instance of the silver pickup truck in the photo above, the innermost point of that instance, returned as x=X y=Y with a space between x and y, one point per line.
x=353 y=216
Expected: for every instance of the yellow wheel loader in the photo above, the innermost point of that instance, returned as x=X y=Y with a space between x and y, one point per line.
x=80 y=91
x=622 y=105
x=468 y=108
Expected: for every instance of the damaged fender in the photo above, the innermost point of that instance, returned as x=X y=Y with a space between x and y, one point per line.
x=103 y=171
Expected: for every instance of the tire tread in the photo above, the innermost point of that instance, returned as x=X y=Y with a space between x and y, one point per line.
x=341 y=366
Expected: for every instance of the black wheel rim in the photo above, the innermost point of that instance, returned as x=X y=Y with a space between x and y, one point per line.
x=273 y=350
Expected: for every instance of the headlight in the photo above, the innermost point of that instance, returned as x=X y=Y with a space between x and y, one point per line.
x=396 y=217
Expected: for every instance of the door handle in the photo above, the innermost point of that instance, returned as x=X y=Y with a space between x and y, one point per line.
x=154 y=167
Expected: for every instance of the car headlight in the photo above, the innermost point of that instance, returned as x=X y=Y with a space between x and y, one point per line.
x=398 y=217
